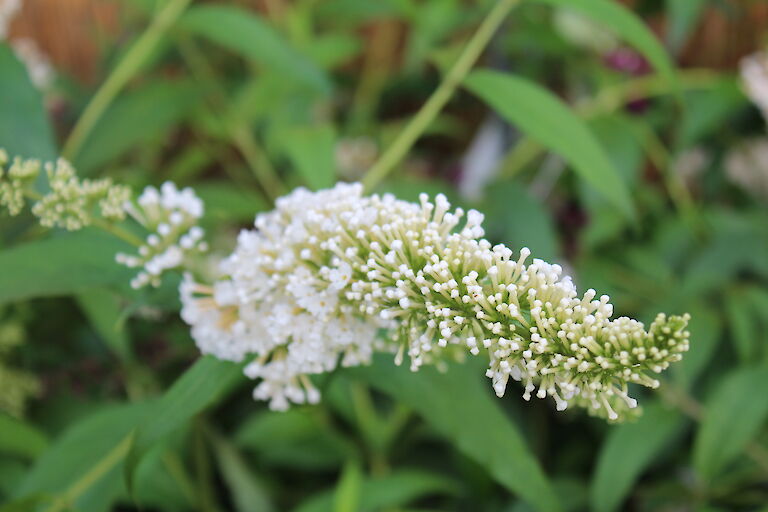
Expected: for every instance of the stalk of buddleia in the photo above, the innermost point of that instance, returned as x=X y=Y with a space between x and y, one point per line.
x=322 y=276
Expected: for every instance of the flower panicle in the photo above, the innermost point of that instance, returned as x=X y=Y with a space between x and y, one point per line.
x=169 y=215
x=69 y=203
x=325 y=272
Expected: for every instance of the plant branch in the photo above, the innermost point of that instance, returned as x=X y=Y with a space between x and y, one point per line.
x=132 y=62
x=420 y=122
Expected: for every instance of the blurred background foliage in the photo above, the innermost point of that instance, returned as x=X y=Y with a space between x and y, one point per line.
x=608 y=136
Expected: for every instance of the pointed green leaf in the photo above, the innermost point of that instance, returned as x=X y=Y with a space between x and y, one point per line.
x=311 y=150
x=706 y=328
x=141 y=116
x=24 y=127
x=396 y=489
x=628 y=26
x=103 y=309
x=682 y=16
x=81 y=465
x=627 y=452
x=734 y=414
x=196 y=389
x=20 y=438
x=246 y=488
x=61 y=265
x=459 y=405
x=545 y=118
x=244 y=32
x=742 y=323
x=346 y=497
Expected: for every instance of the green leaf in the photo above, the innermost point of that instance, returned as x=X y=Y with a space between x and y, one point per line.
x=247 y=490
x=394 y=490
x=707 y=109
x=24 y=127
x=734 y=414
x=626 y=25
x=627 y=452
x=517 y=219
x=355 y=12
x=195 y=390
x=459 y=405
x=296 y=438
x=20 y=438
x=706 y=328
x=545 y=118
x=758 y=300
x=244 y=32
x=331 y=50
x=225 y=202
x=142 y=116
x=346 y=497
x=81 y=465
x=742 y=324
x=61 y=265
x=104 y=312
x=682 y=17
x=616 y=134
x=311 y=150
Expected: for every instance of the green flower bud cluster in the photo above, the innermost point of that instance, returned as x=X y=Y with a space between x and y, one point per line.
x=71 y=203
x=16 y=386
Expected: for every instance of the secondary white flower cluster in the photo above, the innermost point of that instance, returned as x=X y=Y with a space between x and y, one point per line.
x=171 y=215
x=754 y=76
x=746 y=165
x=325 y=272
x=70 y=203
x=38 y=65
x=8 y=10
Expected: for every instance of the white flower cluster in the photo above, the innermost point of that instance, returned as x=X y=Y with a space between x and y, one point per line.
x=325 y=272
x=71 y=203
x=8 y=11
x=746 y=165
x=38 y=65
x=754 y=76
x=171 y=215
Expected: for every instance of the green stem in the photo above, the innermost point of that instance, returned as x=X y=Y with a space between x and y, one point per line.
x=258 y=162
x=440 y=97
x=133 y=60
x=117 y=231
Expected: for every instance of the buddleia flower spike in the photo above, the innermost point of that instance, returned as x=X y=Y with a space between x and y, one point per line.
x=321 y=276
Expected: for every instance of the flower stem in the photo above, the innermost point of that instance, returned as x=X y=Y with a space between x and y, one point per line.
x=136 y=57
x=440 y=97
x=118 y=232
